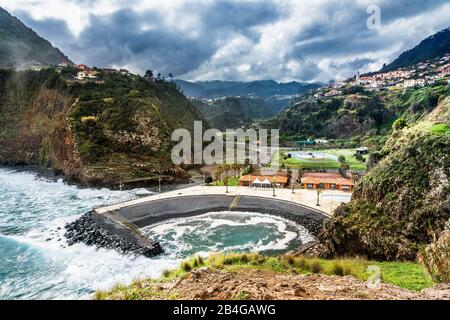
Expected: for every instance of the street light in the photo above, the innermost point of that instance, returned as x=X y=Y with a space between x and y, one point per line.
x=159 y=183
x=318 y=194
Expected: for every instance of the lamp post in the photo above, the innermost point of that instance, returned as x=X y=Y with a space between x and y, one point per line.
x=318 y=196
x=159 y=183
x=273 y=188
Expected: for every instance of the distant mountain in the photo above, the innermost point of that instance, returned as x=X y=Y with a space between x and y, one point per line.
x=22 y=48
x=432 y=47
x=261 y=88
x=275 y=96
x=191 y=89
x=232 y=112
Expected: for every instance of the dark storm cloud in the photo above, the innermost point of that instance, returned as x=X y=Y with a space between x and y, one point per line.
x=222 y=38
x=238 y=16
x=54 y=30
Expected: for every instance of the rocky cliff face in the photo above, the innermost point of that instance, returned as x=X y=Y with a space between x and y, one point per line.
x=403 y=200
x=115 y=130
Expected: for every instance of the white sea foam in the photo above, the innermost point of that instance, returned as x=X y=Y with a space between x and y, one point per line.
x=185 y=233
x=37 y=263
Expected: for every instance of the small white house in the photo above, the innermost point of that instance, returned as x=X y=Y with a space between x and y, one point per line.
x=362 y=150
x=81 y=75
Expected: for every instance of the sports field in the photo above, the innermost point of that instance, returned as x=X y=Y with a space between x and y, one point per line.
x=319 y=159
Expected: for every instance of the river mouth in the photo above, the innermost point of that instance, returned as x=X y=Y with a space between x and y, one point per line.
x=225 y=231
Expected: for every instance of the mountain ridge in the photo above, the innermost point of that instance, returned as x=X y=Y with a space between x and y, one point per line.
x=22 y=48
x=259 y=88
x=431 y=47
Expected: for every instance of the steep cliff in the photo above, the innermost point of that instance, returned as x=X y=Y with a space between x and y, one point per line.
x=404 y=200
x=105 y=132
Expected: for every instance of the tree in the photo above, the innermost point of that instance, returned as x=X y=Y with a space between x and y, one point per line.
x=341 y=159
x=235 y=167
x=170 y=77
x=399 y=124
x=358 y=156
x=218 y=173
x=148 y=75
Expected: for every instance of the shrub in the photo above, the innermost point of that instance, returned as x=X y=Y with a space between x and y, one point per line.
x=186 y=266
x=338 y=269
x=243 y=295
x=244 y=258
x=436 y=258
x=274 y=264
x=289 y=259
x=399 y=124
x=315 y=267
x=166 y=273
x=359 y=157
x=302 y=263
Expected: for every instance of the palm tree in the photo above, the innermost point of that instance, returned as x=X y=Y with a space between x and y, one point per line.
x=218 y=173
x=236 y=167
x=226 y=168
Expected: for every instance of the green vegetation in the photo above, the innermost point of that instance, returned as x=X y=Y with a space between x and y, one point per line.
x=403 y=274
x=354 y=119
x=115 y=129
x=398 y=206
x=355 y=162
x=441 y=128
x=232 y=182
x=436 y=258
x=232 y=112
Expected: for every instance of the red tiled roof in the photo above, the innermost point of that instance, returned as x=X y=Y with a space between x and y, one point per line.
x=320 y=177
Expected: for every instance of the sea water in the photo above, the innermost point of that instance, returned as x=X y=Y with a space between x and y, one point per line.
x=36 y=263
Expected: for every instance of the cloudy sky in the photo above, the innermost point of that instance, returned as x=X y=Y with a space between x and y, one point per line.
x=284 y=40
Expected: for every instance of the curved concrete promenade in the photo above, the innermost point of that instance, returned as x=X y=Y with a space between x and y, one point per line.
x=119 y=224
x=299 y=206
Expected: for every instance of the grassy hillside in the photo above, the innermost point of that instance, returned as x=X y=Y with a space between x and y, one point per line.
x=357 y=115
x=404 y=201
x=175 y=284
x=21 y=47
x=232 y=112
x=116 y=129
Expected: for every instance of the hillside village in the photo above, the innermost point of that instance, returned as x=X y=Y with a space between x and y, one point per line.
x=421 y=74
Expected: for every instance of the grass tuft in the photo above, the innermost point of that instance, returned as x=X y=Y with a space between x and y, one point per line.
x=186 y=266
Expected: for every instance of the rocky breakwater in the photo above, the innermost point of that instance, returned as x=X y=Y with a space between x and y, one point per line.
x=103 y=231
